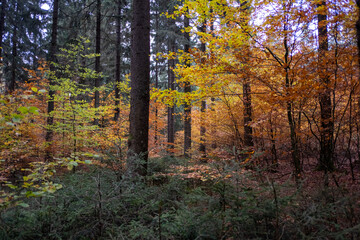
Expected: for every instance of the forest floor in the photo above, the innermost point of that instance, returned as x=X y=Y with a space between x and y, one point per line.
x=183 y=199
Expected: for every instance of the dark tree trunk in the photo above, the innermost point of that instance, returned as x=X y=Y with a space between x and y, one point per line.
x=358 y=35
x=358 y=52
x=140 y=89
x=171 y=86
x=248 y=131
x=326 y=162
x=187 y=106
x=157 y=47
x=11 y=85
x=118 y=62
x=52 y=58
x=213 y=100
x=295 y=154
x=97 y=58
x=2 y=25
x=202 y=147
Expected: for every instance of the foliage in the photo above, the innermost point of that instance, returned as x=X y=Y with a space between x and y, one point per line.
x=97 y=204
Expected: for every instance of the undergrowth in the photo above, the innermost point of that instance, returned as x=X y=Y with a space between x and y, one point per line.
x=97 y=204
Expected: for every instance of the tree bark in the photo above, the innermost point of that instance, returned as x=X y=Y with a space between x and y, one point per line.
x=171 y=86
x=326 y=161
x=358 y=37
x=2 y=25
x=187 y=106
x=118 y=61
x=140 y=89
x=52 y=59
x=97 y=58
x=12 y=82
x=248 y=131
x=202 y=146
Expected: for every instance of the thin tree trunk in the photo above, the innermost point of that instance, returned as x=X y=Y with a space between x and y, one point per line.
x=212 y=104
x=171 y=86
x=2 y=24
x=326 y=162
x=118 y=62
x=248 y=131
x=358 y=43
x=187 y=106
x=11 y=85
x=358 y=94
x=52 y=58
x=97 y=58
x=140 y=89
x=157 y=49
x=295 y=154
x=274 y=161
x=202 y=147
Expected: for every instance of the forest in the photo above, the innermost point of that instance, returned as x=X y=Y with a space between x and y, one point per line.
x=180 y=119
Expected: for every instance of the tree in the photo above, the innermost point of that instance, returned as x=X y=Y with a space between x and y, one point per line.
x=326 y=161
x=202 y=146
x=171 y=87
x=97 y=58
x=140 y=88
x=22 y=51
x=187 y=89
x=2 y=25
x=52 y=59
x=118 y=60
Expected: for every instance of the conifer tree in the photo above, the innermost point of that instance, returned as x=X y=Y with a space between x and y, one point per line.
x=140 y=88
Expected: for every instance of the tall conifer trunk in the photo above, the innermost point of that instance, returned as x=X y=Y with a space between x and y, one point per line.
x=171 y=86
x=157 y=49
x=52 y=58
x=118 y=61
x=202 y=147
x=187 y=106
x=140 y=89
x=14 y=42
x=171 y=110
x=97 y=58
x=326 y=161
x=2 y=25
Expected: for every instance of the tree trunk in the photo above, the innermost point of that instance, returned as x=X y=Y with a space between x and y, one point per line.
x=248 y=131
x=171 y=86
x=187 y=106
x=97 y=58
x=358 y=39
x=11 y=85
x=2 y=24
x=157 y=49
x=52 y=58
x=202 y=147
x=295 y=154
x=140 y=89
x=118 y=62
x=326 y=162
